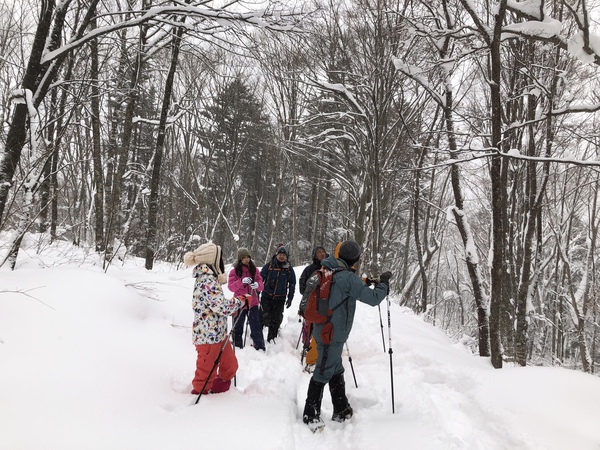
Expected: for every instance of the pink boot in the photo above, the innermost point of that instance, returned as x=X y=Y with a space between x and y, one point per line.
x=220 y=386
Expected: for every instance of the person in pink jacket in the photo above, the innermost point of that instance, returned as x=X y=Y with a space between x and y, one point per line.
x=209 y=330
x=244 y=279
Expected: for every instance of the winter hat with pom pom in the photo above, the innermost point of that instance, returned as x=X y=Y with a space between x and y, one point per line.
x=209 y=254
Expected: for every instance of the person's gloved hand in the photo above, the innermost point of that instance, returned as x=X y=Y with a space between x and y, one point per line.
x=385 y=277
x=246 y=300
x=288 y=303
x=246 y=280
x=370 y=281
x=254 y=285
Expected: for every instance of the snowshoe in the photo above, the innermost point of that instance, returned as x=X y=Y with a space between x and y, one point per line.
x=315 y=425
x=342 y=415
x=309 y=368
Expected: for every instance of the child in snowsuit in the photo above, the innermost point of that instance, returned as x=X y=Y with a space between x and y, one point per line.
x=309 y=350
x=346 y=290
x=280 y=282
x=209 y=330
x=244 y=279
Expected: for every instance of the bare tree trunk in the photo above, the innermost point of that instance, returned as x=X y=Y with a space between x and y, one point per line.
x=37 y=79
x=122 y=151
x=96 y=148
x=462 y=223
x=498 y=272
x=158 y=153
x=295 y=215
x=17 y=132
x=38 y=152
x=422 y=304
x=45 y=188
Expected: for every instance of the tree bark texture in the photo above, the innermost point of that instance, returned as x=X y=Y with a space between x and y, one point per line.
x=159 y=150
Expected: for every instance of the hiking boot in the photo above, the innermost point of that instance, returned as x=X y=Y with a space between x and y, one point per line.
x=272 y=334
x=220 y=386
x=342 y=415
x=341 y=408
x=312 y=407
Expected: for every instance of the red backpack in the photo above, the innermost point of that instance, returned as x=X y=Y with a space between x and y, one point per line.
x=314 y=306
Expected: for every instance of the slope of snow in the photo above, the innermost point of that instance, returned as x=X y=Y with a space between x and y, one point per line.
x=104 y=360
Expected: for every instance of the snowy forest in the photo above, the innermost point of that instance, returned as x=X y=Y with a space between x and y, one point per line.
x=455 y=140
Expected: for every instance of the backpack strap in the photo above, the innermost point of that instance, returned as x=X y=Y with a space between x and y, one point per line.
x=336 y=270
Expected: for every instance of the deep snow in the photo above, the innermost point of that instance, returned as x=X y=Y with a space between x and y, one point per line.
x=104 y=361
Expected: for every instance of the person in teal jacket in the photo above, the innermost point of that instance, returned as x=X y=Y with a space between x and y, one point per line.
x=346 y=290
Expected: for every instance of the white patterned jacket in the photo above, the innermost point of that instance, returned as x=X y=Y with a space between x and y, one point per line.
x=211 y=308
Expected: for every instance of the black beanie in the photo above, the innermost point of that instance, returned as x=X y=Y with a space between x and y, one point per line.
x=350 y=252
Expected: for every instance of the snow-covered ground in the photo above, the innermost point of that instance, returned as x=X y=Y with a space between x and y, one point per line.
x=93 y=360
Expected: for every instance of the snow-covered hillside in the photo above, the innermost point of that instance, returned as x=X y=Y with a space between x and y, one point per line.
x=104 y=361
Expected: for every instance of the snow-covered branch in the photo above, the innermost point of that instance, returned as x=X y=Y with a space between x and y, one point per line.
x=222 y=18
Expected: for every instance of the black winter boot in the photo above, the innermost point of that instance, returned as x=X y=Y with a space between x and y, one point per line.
x=312 y=407
x=272 y=334
x=341 y=408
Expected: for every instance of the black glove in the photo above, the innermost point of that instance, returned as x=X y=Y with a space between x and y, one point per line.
x=385 y=279
x=288 y=303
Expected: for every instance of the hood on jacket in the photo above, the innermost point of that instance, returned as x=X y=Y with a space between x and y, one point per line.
x=331 y=262
x=314 y=254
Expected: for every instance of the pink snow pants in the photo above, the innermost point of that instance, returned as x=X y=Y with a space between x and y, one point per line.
x=207 y=354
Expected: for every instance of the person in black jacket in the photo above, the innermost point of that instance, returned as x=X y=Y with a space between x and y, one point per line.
x=280 y=283
x=309 y=348
x=318 y=255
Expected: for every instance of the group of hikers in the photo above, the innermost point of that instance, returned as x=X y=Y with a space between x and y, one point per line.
x=259 y=297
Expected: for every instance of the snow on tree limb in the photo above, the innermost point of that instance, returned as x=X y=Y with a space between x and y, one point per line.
x=223 y=18
x=415 y=73
x=344 y=92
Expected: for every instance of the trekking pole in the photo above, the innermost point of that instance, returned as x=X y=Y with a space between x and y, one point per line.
x=300 y=337
x=233 y=345
x=390 y=352
x=351 y=365
x=248 y=316
x=219 y=358
x=246 y=333
x=381 y=323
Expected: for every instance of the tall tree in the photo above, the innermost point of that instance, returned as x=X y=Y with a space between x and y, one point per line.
x=159 y=149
